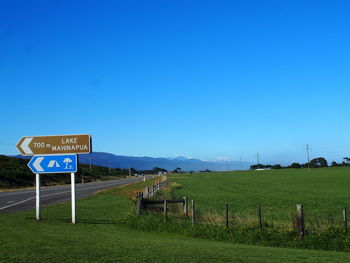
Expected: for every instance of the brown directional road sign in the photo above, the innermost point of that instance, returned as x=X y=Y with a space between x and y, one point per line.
x=58 y=144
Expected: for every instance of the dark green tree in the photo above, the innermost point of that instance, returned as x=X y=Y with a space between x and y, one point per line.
x=158 y=169
x=334 y=164
x=318 y=162
x=177 y=170
x=276 y=166
x=295 y=165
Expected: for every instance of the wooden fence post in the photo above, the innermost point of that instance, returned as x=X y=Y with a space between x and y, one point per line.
x=185 y=206
x=300 y=221
x=345 y=220
x=259 y=217
x=226 y=215
x=165 y=209
x=233 y=216
x=138 y=204
x=193 y=212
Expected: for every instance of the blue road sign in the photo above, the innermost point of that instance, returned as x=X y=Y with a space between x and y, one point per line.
x=45 y=164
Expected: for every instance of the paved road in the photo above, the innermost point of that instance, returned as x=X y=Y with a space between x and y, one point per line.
x=21 y=200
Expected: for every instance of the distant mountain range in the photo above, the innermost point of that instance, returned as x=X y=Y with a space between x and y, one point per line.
x=147 y=163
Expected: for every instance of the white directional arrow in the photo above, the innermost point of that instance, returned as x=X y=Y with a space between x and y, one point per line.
x=25 y=145
x=36 y=164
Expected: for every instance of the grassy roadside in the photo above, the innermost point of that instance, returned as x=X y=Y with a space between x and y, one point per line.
x=102 y=236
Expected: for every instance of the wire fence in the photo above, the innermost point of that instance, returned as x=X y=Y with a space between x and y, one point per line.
x=216 y=214
x=321 y=225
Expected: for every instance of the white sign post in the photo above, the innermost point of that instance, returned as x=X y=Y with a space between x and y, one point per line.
x=37 y=196
x=72 y=177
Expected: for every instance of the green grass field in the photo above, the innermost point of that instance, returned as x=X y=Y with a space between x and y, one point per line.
x=102 y=235
x=324 y=192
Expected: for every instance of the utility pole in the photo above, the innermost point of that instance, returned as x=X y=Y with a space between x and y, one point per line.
x=240 y=162
x=90 y=164
x=257 y=159
x=308 y=156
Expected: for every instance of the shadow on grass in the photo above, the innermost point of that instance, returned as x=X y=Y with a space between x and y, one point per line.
x=81 y=221
x=91 y=221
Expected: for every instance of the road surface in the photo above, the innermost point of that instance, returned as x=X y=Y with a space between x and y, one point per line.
x=21 y=200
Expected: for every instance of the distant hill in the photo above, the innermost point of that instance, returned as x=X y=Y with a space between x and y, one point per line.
x=147 y=163
x=14 y=173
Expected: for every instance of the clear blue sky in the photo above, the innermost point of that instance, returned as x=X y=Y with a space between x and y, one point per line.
x=200 y=79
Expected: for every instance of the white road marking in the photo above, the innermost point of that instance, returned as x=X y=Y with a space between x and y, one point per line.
x=49 y=188
x=23 y=201
x=2 y=208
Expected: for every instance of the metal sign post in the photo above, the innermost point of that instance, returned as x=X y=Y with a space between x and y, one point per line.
x=37 y=196
x=72 y=178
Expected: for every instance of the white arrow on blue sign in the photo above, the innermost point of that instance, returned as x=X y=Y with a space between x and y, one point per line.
x=45 y=164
